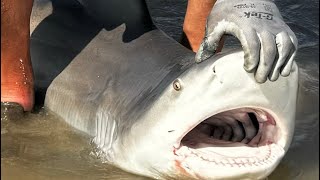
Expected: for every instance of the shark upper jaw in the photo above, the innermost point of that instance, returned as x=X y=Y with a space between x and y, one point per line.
x=208 y=150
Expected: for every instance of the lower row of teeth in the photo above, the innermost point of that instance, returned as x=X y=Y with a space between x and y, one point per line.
x=265 y=158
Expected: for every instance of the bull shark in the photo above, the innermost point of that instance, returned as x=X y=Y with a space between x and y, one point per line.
x=153 y=111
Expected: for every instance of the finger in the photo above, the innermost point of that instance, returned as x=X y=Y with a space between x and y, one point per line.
x=267 y=56
x=288 y=65
x=210 y=43
x=284 y=45
x=251 y=48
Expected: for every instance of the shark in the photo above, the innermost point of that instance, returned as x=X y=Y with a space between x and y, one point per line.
x=150 y=108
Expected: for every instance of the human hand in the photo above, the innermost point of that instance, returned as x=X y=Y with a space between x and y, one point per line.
x=268 y=43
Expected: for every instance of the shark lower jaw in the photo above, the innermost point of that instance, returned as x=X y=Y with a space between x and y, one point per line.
x=237 y=142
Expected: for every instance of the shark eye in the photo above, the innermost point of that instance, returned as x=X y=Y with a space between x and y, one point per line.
x=176 y=85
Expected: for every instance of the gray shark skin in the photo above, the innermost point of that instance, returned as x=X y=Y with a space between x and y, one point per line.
x=101 y=76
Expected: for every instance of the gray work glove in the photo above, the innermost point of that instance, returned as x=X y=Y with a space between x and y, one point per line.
x=268 y=43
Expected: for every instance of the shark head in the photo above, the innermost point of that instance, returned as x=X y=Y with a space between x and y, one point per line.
x=214 y=121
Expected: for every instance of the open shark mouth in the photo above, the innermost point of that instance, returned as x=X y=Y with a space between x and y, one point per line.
x=243 y=137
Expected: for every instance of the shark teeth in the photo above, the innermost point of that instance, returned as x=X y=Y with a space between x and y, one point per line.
x=259 y=156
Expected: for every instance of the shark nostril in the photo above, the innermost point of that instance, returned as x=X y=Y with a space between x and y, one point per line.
x=214 y=69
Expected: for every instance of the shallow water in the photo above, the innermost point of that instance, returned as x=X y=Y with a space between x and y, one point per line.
x=41 y=146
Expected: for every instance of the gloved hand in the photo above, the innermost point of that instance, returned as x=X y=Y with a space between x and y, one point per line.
x=268 y=43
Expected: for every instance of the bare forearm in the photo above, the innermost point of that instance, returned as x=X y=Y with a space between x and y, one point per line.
x=195 y=21
x=16 y=70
